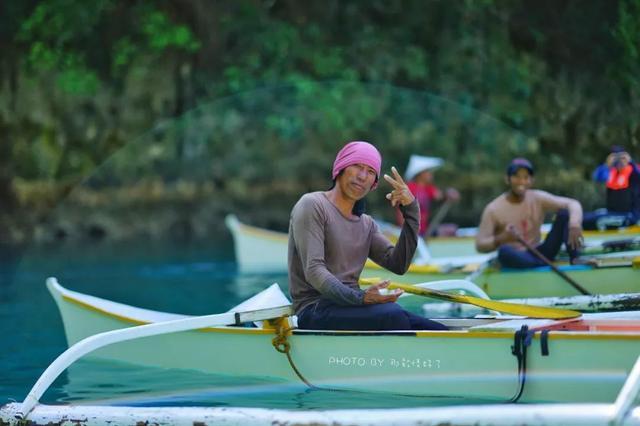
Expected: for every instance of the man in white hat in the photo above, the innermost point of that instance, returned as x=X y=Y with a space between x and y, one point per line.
x=420 y=180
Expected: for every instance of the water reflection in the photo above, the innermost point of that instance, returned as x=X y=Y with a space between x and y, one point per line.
x=93 y=382
x=194 y=279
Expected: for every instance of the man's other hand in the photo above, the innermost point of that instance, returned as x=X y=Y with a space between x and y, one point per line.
x=372 y=294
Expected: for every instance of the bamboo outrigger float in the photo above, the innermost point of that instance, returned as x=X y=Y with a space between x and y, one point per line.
x=620 y=413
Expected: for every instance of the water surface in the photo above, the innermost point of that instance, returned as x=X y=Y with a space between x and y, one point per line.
x=195 y=279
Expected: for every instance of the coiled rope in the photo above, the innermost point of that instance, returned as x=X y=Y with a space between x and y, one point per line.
x=282 y=345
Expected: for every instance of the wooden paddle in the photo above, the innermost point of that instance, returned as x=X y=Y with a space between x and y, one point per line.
x=494 y=305
x=437 y=217
x=555 y=269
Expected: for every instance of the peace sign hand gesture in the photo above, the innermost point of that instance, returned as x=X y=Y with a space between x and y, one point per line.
x=400 y=193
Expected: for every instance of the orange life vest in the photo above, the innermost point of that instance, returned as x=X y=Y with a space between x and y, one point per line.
x=619 y=179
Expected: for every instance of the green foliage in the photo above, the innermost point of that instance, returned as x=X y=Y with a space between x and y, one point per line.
x=61 y=22
x=162 y=34
x=152 y=35
x=288 y=50
x=124 y=52
x=627 y=34
x=68 y=37
x=54 y=32
x=475 y=82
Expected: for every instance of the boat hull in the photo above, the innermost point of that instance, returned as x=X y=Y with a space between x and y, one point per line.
x=544 y=282
x=472 y=363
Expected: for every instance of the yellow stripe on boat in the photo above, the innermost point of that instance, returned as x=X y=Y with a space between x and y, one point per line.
x=631 y=230
x=413 y=268
x=264 y=233
x=133 y=321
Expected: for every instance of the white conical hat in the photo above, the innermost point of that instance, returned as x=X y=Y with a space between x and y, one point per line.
x=420 y=163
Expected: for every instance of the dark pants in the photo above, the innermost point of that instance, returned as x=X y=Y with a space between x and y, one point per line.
x=326 y=315
x=602 y=219
x=511 y=257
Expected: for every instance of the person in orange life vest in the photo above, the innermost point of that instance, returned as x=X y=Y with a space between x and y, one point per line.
x=622 y=179
x=420 y=180
x=521 y=210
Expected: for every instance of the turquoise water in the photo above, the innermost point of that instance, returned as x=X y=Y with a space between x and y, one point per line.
x=194 y=279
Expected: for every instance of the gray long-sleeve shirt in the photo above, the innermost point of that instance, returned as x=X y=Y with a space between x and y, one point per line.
x=327 y=251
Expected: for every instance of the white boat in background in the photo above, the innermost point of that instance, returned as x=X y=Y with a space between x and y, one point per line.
x=265 y=251
x=257 y=249
x=261 y=250
x=614 y=272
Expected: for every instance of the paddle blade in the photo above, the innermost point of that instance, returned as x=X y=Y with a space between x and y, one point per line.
x=494 y=305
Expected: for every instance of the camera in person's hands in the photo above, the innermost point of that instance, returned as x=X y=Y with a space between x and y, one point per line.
x=618 y=160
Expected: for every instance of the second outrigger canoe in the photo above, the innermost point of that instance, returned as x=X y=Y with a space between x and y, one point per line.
x=583 y=359
x=616 y=270
x=262 y=250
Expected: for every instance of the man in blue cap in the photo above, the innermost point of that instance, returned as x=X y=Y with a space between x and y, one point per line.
x=520 y=212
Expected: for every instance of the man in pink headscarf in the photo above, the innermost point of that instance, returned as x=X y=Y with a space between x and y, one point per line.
x=330 y=239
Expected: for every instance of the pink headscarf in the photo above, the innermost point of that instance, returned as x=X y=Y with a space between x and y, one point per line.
x=358 y=152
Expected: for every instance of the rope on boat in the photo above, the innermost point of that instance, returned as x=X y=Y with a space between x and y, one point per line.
x=282 y=345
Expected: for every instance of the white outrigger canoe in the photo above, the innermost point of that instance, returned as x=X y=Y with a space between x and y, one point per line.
x=617 y=270
x=262 y=250
x=583 y=359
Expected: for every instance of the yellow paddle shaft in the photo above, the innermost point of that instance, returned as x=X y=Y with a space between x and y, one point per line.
x=494 y=305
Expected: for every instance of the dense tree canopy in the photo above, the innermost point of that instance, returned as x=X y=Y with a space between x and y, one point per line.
x=240 y=83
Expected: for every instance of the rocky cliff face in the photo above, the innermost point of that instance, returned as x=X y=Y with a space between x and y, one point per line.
x=152 y=210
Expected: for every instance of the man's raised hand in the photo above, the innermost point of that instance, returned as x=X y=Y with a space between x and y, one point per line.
x=400 y=193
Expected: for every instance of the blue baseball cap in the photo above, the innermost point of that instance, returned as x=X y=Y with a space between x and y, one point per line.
x=519 y=163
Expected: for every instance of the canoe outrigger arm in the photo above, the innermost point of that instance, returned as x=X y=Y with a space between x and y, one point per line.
x=627 y=396
x=106 y=338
